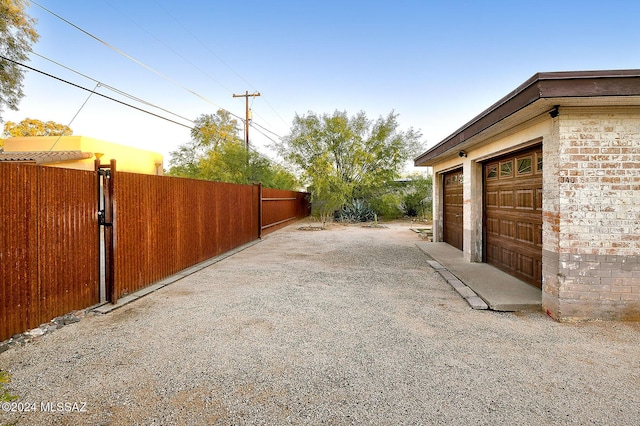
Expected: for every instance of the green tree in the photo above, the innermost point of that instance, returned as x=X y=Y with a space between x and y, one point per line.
x=231 y=162
x=185 y=161
x=211 y=130
x=417 y=198
x=31 y=127
x=345 y=158
x=17 y=34
x=207 y=134
x=216 y=152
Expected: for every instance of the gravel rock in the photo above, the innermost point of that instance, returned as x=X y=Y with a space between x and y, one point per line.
x=36 y=332
x=348 y=325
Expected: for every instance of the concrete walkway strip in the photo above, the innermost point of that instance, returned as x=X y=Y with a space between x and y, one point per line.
x=499 y=290
x=469 y=295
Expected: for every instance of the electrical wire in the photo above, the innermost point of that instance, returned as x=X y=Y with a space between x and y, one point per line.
x=204 y=45
x=157 y=72
x=99 y=94
x=253 y=123
x=131 y=58
x=256 y=126
x=170 y=48
x=149 y=68
x=76 y=114
x=186 y=29
x=263 y=134
x=113 y=89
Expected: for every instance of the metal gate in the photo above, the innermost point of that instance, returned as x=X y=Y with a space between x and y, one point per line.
x=105 y=229
x=48 y=244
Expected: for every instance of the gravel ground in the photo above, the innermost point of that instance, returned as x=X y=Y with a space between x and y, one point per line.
x=343 y=326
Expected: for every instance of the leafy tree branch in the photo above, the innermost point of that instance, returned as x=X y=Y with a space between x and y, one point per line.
x=344 y=158
x=17 y=34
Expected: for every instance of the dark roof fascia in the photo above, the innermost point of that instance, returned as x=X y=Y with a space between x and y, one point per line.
x=567 y=84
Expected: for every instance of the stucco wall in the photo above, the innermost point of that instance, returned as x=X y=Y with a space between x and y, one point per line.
x=128 y=159
x=591 y=258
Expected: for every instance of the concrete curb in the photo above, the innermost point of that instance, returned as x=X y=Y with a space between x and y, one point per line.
x=475 y=301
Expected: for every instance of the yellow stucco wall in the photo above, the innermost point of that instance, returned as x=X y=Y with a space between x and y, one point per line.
x=128 y=159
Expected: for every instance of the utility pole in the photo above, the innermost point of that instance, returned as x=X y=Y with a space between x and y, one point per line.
x=247 y=118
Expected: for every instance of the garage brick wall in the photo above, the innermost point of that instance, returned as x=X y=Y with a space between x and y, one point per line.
x=591 y=254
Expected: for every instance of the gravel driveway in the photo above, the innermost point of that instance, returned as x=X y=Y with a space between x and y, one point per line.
x=343 y=326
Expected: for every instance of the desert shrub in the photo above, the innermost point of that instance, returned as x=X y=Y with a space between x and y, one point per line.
x=413 y=204
x=387 y=206
x=356 y=211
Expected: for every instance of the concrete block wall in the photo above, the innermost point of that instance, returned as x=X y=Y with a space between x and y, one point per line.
x=591 y=230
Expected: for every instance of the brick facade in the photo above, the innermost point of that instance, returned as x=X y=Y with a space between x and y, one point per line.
x=588 y=123
x=591 y=209
x=591 y=233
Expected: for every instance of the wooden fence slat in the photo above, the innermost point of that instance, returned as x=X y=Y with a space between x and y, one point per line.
x=49 y=241
x=200 y=219
x=48 y=244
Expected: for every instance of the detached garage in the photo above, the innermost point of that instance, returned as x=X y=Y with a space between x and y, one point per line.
x=545 y=185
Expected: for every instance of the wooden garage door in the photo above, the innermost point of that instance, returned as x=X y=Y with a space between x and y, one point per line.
x=513 y=214
x=452 y=194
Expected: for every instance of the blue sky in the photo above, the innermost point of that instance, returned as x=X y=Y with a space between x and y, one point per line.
x=437 y=64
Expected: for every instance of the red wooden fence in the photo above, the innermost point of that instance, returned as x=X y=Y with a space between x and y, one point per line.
x=49 y=234
x=164 y=225
x=280 y=207
x=48 y=244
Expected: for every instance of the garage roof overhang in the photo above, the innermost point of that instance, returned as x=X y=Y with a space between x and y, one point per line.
x=542 y=93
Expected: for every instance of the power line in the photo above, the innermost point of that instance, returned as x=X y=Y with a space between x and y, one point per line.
x=131 y=58
x=256 y=126
x=186 y=29
x=264 y=128
x=169 y=47
x=204 y=45
x=99 y=94
x=274 y=110
x=76 y=114
x=257 y=129
x=158 y=72
x=118 y=91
